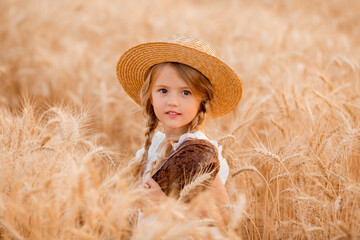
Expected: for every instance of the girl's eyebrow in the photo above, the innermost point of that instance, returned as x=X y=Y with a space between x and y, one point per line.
x=164 y=86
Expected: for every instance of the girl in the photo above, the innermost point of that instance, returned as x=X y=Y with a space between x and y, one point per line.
x=178 y=83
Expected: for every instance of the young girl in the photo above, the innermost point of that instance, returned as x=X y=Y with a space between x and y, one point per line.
x=178 y=83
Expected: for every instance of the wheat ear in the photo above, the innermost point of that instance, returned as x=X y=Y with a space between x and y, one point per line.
x=193 y=184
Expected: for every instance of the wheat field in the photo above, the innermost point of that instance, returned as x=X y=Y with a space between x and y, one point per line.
x=68 y=130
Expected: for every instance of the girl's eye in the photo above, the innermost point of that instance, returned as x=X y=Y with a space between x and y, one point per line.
x=186 y=92
x=163 y=91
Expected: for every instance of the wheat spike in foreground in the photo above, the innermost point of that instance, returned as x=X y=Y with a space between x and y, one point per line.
x=68 y=131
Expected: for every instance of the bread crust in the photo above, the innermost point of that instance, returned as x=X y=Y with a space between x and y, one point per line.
x=193 y=159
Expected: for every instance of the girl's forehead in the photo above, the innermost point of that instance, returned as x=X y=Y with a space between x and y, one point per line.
x=168 y=76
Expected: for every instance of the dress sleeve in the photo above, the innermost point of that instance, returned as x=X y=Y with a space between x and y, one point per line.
x=224 y=167
x=139 y=153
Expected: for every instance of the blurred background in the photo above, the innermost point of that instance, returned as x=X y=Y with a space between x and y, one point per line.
x=66 y=51
x=298 y=61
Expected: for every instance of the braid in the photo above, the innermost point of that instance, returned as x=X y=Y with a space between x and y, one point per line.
x=199 y=119
x=151 y=124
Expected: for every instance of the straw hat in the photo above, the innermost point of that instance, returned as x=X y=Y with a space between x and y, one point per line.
x=135 y=62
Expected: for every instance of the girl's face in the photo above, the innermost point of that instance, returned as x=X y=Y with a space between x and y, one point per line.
x=174 y=103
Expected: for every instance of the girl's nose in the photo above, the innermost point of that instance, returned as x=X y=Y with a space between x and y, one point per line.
x=173 y=100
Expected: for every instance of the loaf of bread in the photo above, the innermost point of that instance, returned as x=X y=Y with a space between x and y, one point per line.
x=193 y=164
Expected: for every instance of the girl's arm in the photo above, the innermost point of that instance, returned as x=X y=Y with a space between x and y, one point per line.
x=219 y=193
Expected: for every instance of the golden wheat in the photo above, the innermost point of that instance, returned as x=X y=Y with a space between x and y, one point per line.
x=68 y=131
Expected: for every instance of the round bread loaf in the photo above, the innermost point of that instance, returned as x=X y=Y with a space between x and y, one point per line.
x=194 y=164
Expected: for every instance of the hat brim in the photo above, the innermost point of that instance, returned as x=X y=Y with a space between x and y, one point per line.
x=134 y=64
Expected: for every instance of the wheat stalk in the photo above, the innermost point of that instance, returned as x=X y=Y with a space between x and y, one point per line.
x=11 y=230
x=68 y=131
x=268 y=154
x=198 y=181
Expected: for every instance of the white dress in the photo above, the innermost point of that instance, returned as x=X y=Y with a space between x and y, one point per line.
x=157 y=139
x=153 y=155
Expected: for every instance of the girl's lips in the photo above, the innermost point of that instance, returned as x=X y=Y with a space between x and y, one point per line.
x=172 y=114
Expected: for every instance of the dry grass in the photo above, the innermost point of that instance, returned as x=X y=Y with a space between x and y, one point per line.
x=67 y=129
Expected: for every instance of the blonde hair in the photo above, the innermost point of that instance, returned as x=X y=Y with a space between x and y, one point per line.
x=200 y=86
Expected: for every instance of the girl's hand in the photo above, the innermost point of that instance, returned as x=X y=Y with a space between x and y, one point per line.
x=154 y=191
